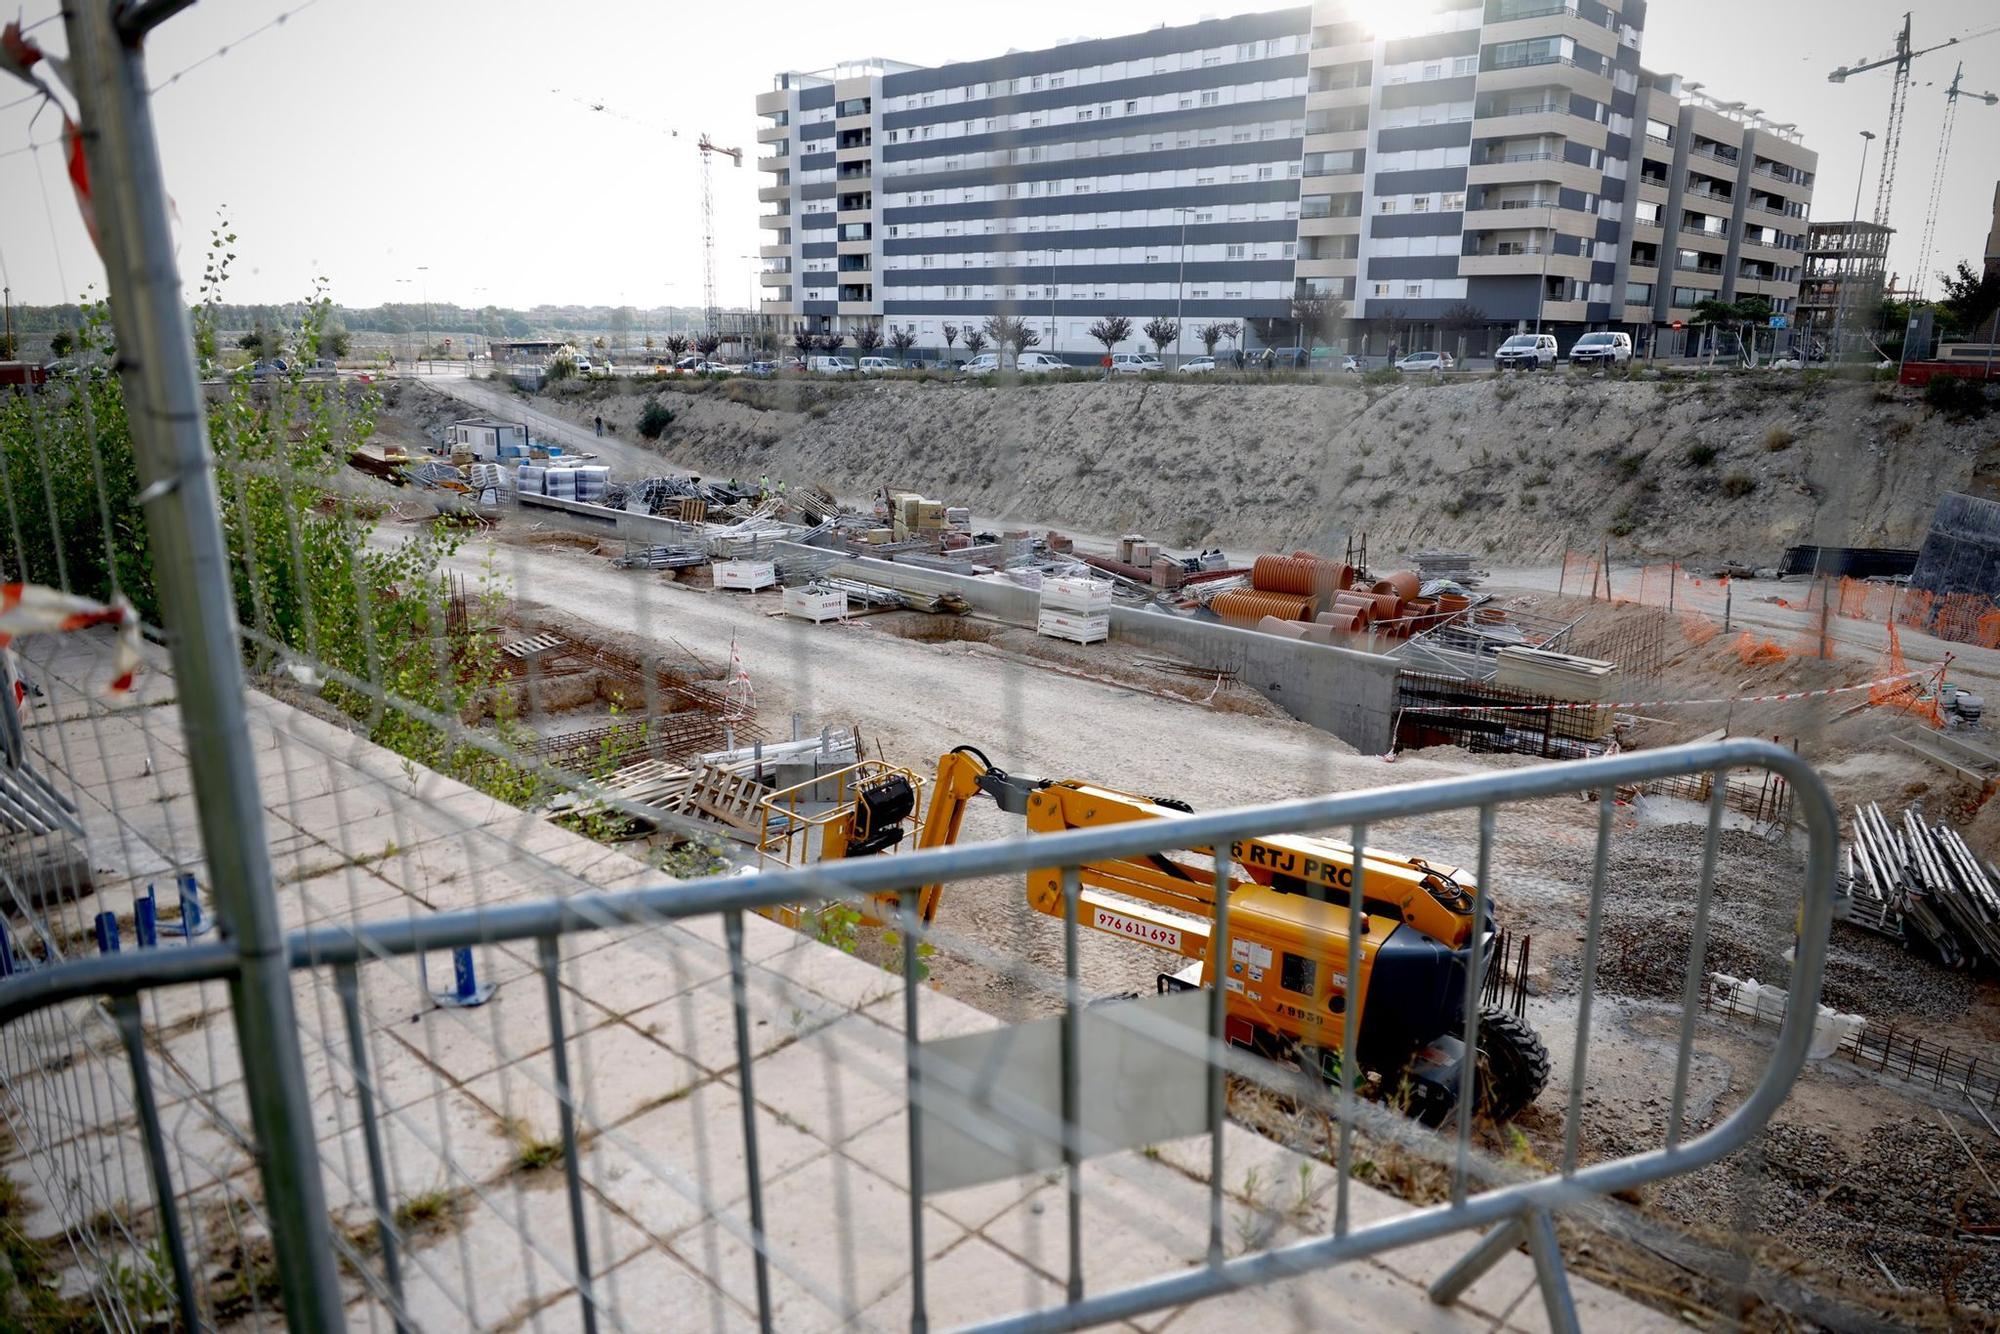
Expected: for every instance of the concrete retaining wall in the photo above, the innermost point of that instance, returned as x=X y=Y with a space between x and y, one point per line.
x=600 y=519
x=1350 y=694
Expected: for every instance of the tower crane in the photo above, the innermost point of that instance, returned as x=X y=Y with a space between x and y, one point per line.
x=709 y=150
x=1951 y=96
x=1899 y=96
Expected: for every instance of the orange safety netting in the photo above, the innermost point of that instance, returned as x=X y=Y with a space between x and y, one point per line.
x=1582 y=575
x=1906 y=693
x=1756 y=652
x=1864 y=601
x=1656 y=585
x=1698 y=629
x=1966 y=618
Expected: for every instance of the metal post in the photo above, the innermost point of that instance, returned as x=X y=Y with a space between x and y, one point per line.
x=1840 y=296
x=169 y=424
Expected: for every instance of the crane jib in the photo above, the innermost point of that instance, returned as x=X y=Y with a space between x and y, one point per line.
x=1285 y=861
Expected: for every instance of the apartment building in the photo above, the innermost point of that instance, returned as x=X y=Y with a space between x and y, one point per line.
x=1448 y=171
x=1148 y=175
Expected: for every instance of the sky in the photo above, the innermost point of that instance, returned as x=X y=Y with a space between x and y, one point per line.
x=407 y=149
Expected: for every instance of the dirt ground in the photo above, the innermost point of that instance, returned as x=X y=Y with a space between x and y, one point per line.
x=1862 y=1195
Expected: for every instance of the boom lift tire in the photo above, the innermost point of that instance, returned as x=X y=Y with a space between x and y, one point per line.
x=1513 y=1065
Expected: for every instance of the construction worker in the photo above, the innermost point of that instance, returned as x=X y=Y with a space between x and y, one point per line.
x=600 y=425
x=763 y=485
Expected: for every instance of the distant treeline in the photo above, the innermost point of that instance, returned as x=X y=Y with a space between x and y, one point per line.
x=441 y=317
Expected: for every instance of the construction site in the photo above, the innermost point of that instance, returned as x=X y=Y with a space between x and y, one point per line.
x=728 y=663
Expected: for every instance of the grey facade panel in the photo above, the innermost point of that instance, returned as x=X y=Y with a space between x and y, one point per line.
x=818 y=190
x=1214 y=271
x=818 y=279
x=817 y=250
x=1103 y=51
x=816 y=222
x=1280 y=230
x=813 y=162
x=812 y=99
x=1242 y=192
x=1171 y=159
x=1120 y=90
x=1134 y=309
x=1509 y=297
x=1423 y=136
x=1458 y=89
x=1431 y=46
x=1416 y=224
x=1413 y=266
x=1192 y=118
x=820 y=307
x=1428 y=181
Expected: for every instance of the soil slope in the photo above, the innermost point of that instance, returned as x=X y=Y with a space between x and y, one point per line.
x=1516 y=468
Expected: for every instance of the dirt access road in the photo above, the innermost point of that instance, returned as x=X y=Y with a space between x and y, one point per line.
x=915 y=700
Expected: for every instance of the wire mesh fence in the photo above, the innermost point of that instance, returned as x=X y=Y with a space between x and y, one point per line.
x=393 y=951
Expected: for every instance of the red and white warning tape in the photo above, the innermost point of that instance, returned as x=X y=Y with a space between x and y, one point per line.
x=1665 y=703
x=30 y=609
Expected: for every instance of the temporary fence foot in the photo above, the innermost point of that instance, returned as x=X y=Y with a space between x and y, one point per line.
x=1549 y=1274
x=1492 y=1248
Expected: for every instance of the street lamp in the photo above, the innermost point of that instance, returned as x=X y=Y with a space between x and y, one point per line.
x=1180 y=285
x=1847 y=252
x=405 y=282
x=425 y=269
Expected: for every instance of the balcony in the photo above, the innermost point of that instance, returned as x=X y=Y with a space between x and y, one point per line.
x=778 y=161
x=776 y=278
x=856 y=171
x=861 y=153
x=771 y=194
x=781 y=219
x=1499 y=11
x=771 y=134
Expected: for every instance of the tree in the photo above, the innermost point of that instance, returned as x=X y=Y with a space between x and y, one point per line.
x=338 y=341
x=1315 y=312
x=999 y=331
x=802 y=341
x=831 y=343
x=651 y=343
x=1970 y=299
x=677 y=346
x=1709 y=314
x=61 y=344
x=706 y=342
x=599 y=343
x=950 y=332
x=1163 y=331
x=903 y=340
x=1111 y=331
x=249 y=342
x=975 y=342
x=1211 y=334
x=1024 y=336
x=621 y=325
x=867 y=339
x=654 y=419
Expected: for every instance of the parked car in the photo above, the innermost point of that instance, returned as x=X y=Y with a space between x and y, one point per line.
x=1198 y=366
x=1605 y=348
x=986 y=363
x=1135 y=363
x=1353 y=365
x=1039 y=363
x=1285 y=359
x=1426 y=361
x=830 y=365
x=763 y=368
x=1526 y=351
x=877 y=365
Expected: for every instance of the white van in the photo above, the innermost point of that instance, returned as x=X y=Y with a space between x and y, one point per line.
x=1135 y=363
x=1601 y=349
x=876 y=365
x=1039 y=363
x=830 y=365
x=1526 y=351
x=986 y=363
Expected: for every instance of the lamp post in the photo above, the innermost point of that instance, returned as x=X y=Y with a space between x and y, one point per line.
x=1054 y=337
x=405 y=282
x=425 y=269
x=1847 y=251
x=1180 y=285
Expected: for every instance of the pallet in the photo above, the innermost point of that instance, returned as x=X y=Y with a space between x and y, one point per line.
x=725 y=794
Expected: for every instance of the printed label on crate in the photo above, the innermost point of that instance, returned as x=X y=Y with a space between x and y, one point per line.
x=1166 y=937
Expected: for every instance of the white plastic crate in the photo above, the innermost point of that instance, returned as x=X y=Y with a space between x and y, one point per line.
x=1078 y=629
x=815 y=604
x=748 y=575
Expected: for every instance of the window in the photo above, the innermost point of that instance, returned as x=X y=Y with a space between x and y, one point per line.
x=1210 y=98
x=1232 y=252
x=1381 y=289
x=1299 y=975
x=1264 y=173
x=1413 y=289
x=1420 y=204
x=1132 y=108
x=1385 y=206
x=1454 y=201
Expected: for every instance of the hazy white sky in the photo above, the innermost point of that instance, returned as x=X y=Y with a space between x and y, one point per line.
x=363 y=139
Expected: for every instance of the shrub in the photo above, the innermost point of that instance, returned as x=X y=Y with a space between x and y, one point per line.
x=1700 y=454
x=1738 y=485
x=654 y=419
x=1383 y=375
x=1779 y=438
x=1956 y=396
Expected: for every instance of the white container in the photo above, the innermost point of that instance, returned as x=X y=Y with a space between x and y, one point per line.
x=1078 y=629
x=1072 y=593
x=747 y=575
x=816 y=604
